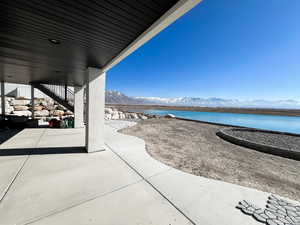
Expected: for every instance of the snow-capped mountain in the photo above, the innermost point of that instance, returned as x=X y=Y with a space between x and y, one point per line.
x=219 y=102
x=117 y=97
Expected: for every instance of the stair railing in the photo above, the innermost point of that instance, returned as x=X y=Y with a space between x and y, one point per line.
x=62 y=91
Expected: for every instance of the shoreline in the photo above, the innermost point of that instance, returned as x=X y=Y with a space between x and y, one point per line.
x=261 y=111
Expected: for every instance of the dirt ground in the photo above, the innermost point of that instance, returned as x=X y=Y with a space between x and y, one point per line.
x=195 y=148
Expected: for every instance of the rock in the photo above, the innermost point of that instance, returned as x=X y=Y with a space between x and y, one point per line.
x=48 y=102
x=260 y=216
x=277 y=212
x=52 y=107
x=274 y=222
x=22 y=113
x=20 y=108
x=38 y=101
x=60 y=107
x=121 y=116
x=58 y=112
x=134 y=116
x=9 y=99
x=115 y=115
x=127 y=115
x=143 y=117
x=8 y=109
x=38 y=108
x=270 y=214
x=149 y=116
x=42 y=113
x=290 y=208
x=68 y=113
x=20 y=102
x=170 y=116
x=45 y=103
x=291 y=213
x=108 y=110
x=107 y=117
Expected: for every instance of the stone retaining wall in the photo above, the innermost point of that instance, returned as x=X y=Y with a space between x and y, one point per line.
x=115 y=114
x=43 y=107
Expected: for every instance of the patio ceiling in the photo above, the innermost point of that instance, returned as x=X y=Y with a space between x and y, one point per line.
x=54 y=41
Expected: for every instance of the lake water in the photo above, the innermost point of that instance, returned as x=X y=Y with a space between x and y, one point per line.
x=268 y=122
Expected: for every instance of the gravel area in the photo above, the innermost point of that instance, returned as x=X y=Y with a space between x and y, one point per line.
x=195 y=148
x=277 y=140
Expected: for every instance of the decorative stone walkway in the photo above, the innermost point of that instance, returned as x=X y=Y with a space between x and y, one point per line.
x=277 y=212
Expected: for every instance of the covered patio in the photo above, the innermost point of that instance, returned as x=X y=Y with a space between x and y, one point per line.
x=46 y=175
x=74 y=43
x=56 y=182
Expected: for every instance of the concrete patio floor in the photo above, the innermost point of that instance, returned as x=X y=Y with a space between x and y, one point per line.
x=47 y=178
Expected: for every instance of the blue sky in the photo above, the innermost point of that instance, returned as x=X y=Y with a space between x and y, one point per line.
x=242 y=49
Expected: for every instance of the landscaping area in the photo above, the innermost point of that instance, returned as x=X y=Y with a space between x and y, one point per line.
x=195 y=148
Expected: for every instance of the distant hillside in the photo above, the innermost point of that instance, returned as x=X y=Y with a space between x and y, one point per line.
x=116 y=97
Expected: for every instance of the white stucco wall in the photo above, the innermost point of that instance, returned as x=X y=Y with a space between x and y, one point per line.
x=23 y=90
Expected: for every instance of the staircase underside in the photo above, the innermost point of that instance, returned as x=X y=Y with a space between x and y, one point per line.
x=64 y=102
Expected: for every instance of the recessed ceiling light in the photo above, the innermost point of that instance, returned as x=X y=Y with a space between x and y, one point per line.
x=54 y=41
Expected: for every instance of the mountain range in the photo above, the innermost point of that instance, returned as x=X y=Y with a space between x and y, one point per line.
x=116 y=97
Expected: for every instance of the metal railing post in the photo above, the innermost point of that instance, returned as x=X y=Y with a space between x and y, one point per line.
x=66 y=92
x=32 y=102
x=2 y=99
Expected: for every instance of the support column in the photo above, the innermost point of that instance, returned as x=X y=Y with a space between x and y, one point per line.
x=32 y=102
x=2 y=99
x=78 y=107
x=95 y=102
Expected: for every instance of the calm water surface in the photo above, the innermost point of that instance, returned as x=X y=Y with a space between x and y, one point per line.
x=268 y=122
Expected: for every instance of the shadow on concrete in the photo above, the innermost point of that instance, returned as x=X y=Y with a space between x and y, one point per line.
x=42 y=151
x=6 y=134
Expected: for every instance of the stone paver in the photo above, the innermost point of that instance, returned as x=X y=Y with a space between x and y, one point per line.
x=278 y=211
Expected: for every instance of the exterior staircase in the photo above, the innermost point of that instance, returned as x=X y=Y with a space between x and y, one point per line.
x=59 y=93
